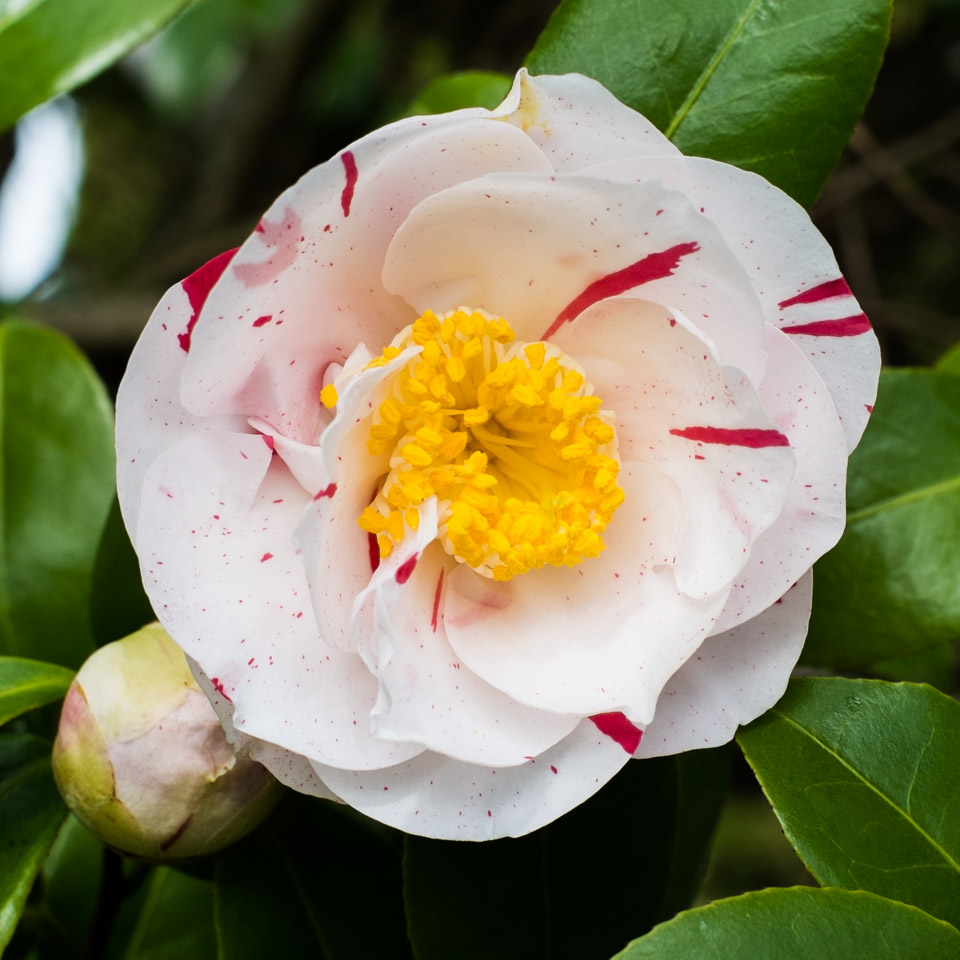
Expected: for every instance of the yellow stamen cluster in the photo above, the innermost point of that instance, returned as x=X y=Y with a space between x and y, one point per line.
x=518 y=452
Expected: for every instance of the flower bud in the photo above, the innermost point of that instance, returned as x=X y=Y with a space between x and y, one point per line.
x=142 y=760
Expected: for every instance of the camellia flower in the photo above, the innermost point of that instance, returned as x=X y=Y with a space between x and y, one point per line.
x=142 y=760
x=499 y=454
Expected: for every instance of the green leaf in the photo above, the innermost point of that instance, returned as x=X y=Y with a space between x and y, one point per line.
x=118 y=605
x=799 y=923
x=56 y=484
x=889 y=588
x=471 y=88
x=25 y=684
x=771 y=87
x=50 y=46
x=171 y=919
x=579 y=888
x=864 y=775
x=70 y=881
x=326 y=877
x=30 y=815
x=950 y=361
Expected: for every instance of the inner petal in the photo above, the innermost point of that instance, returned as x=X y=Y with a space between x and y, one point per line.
x=507 y=436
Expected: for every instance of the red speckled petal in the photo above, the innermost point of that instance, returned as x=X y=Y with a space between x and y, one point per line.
x=577 y=122
x=814 y=513
x=218 y=562
x=733 y=678
x=600 y=637
x=791 y=266
x=313 y=268
x=427 y=696
x=434 y=796
x=150 y=416
x=701 y=424
x=540 y=249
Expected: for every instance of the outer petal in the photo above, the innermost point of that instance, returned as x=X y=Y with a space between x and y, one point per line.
x=733 y=678
x=303 y=290
x=793 y=268
x=603 y=636
x=219 y=564
x=291 y=769
x=814 y=513
x=434 y=796
x=150 y=416
x=540 y=250
x=577 y=122
x=701 y=424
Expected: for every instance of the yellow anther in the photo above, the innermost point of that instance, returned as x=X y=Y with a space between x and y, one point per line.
x=427 y=437
x=416 y=455
x=385 y=544
x=456 y=370
x=328 y=396
x=574 y=451
x=535 y=353
x=475 y=416
x=412 y=517
x=526 y=395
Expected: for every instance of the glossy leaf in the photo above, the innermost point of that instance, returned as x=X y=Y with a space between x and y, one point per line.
x=889 y=588
x=56 y=484
x=118 y=605
x=799 y=923
x=170 y=919
x=771 y=87
x=950 y=361
x=70 y=881
x=579 y=888
x=317 y=881
x=864 y=775
x=472 y=88
x=50 y=46
x=30 y=815
x=25 y=684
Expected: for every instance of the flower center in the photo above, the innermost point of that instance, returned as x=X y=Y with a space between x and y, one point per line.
x=508 y=437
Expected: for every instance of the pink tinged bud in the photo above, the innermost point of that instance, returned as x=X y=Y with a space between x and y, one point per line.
x=142 y=761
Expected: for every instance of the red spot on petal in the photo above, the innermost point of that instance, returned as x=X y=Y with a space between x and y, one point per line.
x=405 y=569
x=268 y=440
x=373 y=552
x=328 y=491
x=218 y=686
x=266 y=556
x=654 y=266
x=350 y=169
x=197 y=287
x=260 y=321
x=844 y=327
x=673 y=321
x=619 y=729
x=281 y=239
x=436 y=601
x=822 y=291
x=869 y=407
x=747 y=437
x=553 y=768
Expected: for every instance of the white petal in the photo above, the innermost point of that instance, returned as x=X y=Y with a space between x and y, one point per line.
x=603 y=636
x=701 y=424
x=427 y=696
x=150 y=416
x=814 y=513
x=219 y=565
x=338 y=556
x=734 y=677
x=578 y=122
x=434 y=796
x=540 y=250
x=792 y=268
x=303 y=290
